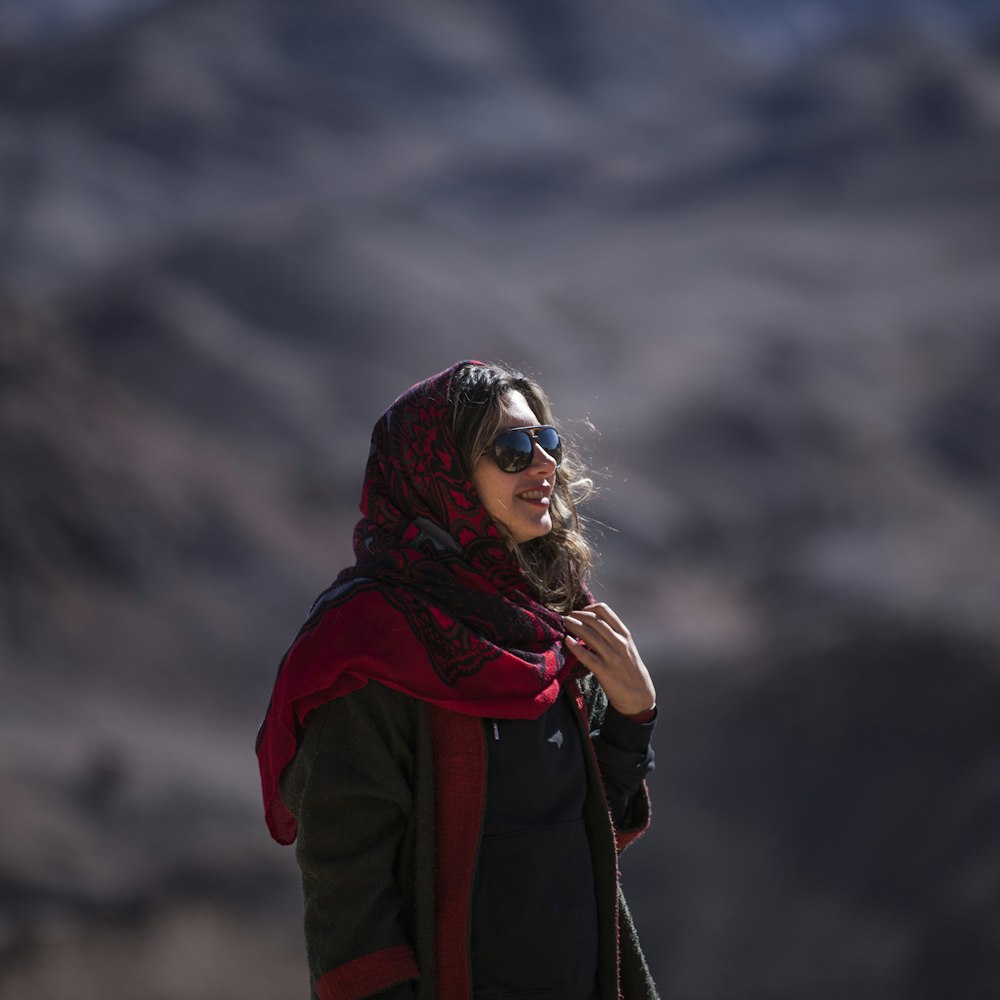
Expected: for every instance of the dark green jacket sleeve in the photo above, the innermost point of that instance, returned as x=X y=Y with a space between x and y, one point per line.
x=628 y=797
x=350 y=789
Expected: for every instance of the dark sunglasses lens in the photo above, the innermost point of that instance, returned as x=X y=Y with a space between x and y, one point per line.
x=548 y=438
x=513 y=450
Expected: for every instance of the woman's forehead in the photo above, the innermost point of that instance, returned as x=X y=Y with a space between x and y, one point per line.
x=516 y=411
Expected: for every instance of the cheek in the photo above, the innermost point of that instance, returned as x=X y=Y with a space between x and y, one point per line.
x=489 y=483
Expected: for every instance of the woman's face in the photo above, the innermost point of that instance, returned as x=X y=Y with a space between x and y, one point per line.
x=518 y=500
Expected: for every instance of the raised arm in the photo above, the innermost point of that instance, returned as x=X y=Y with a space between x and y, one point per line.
x=622 y=710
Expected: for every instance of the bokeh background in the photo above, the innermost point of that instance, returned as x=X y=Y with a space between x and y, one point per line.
x=756 y=244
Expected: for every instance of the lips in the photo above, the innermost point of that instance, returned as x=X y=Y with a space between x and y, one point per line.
x=538 y=495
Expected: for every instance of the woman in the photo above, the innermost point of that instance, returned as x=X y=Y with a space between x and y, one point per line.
x=459 y=736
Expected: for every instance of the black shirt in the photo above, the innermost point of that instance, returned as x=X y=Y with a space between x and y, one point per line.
x=534 y=918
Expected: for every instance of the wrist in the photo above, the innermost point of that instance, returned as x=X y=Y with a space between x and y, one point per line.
x=641 y=718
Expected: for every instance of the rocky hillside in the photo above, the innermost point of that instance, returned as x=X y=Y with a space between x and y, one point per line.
x=232 y=231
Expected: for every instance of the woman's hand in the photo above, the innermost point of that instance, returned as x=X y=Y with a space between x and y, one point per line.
x=601 y=642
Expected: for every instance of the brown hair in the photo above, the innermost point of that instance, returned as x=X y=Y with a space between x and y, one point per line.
x=558 y=563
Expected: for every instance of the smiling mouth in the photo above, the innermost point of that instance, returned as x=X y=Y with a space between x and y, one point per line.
x=535 y=496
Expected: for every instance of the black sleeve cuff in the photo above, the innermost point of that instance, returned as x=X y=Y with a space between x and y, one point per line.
x=625 y=757
x=623 y=734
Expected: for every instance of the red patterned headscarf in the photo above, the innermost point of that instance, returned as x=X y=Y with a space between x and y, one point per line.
x=435 y=606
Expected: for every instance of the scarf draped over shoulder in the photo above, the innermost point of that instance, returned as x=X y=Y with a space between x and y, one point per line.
x=435 y=606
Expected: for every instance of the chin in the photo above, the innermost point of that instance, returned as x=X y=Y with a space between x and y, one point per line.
x=532 y=533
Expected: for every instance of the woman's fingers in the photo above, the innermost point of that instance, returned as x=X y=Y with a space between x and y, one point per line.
x=601 y=642
x=590 y=630
x=598 y=625
x=608 y=616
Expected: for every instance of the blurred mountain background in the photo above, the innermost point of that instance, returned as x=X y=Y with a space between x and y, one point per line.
x=755 y=244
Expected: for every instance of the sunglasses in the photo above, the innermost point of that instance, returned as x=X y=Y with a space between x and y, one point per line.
x=514 y=449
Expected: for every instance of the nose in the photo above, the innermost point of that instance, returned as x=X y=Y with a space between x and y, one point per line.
x=541 y=460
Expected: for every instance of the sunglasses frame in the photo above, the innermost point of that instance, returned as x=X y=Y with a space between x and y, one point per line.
x=494 y=449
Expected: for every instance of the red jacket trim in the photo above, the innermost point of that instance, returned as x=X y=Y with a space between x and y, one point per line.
x=460 y=777
x=369 y=974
